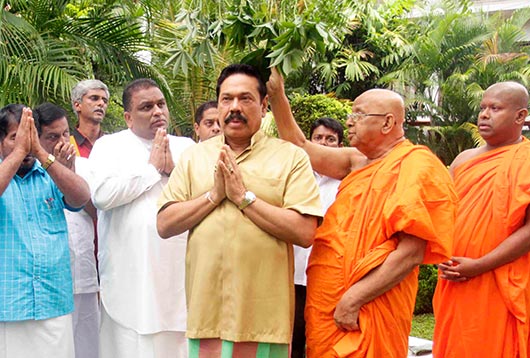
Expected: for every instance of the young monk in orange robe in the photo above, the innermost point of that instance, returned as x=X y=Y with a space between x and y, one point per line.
x=395 y=209
x=482 y=300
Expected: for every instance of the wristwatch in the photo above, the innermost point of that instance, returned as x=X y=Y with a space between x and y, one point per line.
x=49 y=161
x=250 y=197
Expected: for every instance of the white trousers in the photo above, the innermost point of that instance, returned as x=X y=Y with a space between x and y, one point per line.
x=117 y=341
x=85 y=319
x=46 y=338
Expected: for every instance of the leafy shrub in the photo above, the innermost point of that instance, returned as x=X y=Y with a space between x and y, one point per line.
x=427 y=283
x=308 y=108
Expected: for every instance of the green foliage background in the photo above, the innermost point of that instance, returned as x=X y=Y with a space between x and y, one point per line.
x=428 y=277
x=308 y=108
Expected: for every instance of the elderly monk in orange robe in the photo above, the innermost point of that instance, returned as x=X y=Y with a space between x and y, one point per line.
x=481 y=303
x=394 y=210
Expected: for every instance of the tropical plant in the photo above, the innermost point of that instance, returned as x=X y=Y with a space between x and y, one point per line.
x=204 y=36
x=46 y=46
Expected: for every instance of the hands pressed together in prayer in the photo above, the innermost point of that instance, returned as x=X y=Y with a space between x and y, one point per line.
x=27 y=138
x=228 y=181
x=160 y=156
x=459 y=269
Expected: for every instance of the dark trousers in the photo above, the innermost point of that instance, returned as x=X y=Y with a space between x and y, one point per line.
x=298 y=344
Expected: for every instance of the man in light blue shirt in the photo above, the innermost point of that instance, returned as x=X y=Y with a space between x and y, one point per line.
x=36 y=296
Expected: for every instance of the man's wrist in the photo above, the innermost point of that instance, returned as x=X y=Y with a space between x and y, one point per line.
x=248 y=199
x=49 y=161
x=208 y=196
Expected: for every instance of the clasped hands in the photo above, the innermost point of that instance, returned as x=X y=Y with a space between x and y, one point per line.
x=228 y=181
x=459 y=269
x=160 y=156
x=27 y=139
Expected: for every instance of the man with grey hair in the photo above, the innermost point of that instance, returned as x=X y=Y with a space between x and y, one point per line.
x=89 y=102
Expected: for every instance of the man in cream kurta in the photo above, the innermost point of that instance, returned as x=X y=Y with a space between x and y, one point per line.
x=246 y=198
x=141 y=275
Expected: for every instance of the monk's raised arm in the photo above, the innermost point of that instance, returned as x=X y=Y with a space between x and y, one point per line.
x=332 y=162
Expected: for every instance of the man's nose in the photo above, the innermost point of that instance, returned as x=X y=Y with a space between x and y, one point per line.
x=235 y=106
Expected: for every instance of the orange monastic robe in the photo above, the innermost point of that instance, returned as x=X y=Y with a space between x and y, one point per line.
x=408 y=191
x=487 y=316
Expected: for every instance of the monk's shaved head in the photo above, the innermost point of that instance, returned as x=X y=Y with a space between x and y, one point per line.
x=376 y=124
x=503 y=110
x=513 y=92
x=388 y=101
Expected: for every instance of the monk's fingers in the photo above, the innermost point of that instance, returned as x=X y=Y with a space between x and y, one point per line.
x=454 y=277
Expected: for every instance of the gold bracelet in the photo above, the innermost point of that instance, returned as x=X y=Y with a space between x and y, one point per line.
x=209 y=197
x=48 y=162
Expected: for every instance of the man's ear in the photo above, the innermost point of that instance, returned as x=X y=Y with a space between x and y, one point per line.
x=521 y=116
x=76 y=106
x=128 y=119
x=388 y=124
x=264 y=106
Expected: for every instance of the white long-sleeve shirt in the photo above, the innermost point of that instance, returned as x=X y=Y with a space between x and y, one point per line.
x=81 y=240
x=328 y=191
x=141 y=275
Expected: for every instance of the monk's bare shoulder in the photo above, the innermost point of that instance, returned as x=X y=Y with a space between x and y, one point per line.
x=465 y=156
x=357 y=159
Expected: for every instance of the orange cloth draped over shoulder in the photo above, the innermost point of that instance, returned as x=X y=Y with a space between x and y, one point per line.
x=488 y=315
x=407 y=191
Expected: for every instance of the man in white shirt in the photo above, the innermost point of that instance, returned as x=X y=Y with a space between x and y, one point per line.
x=328 y=132
x=141 y=275
x=54 y=135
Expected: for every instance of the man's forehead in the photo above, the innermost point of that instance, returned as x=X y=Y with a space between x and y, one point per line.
x=96 y=92
x=210 y=113
x=58 y=124
x=148 y=95
x=239 y=83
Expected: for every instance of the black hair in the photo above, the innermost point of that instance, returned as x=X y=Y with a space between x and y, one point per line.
x=134 y=86
x=12 y=113
x=203 y=108
x=245 y=70
x=47 y=113
x=329 y=123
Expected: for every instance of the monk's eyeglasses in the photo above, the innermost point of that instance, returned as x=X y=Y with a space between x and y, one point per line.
x=357 y=116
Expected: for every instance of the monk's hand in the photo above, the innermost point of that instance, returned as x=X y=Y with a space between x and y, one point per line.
x=346 y=314
x=459 y=269
x=234 y=186
x=275 y=85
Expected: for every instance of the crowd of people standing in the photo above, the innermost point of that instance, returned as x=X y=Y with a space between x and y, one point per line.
x=144 y=244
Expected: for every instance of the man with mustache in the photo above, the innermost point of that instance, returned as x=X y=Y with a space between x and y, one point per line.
x=54 y=135
x=246 y=199
x=141 y=276
x=36 y=298
x=482 y=300
x=90 y=99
